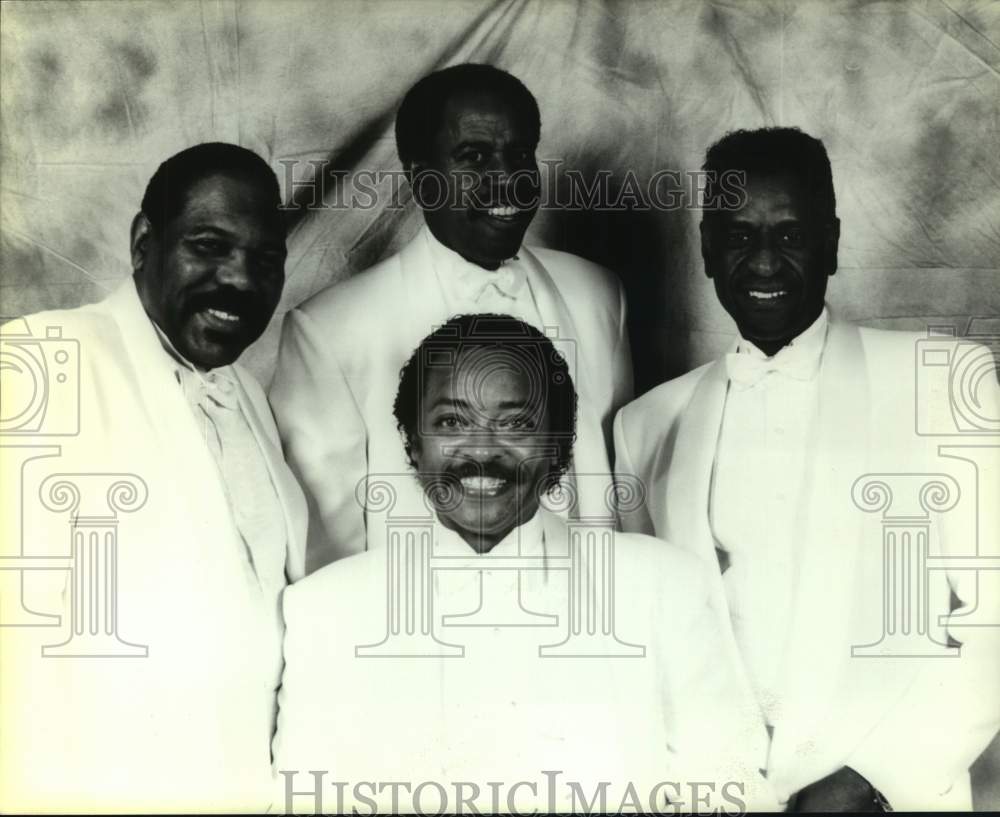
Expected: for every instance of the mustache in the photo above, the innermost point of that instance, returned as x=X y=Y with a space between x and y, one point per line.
x=521 y=193
x=227 y=299
x=493 y=470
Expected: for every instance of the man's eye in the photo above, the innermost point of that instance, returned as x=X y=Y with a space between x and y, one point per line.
x=472 y=156
x=791 y=238
x=738 y=238
x=451 y=422
x=210 y=246
x=522 y=422
x=523 y=155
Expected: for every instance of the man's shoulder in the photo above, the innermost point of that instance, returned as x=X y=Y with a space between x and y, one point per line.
x=55 y=322
x=352 y=298
x=347 y=582
x=659 y=566
x=665 y=400
x=561 y=265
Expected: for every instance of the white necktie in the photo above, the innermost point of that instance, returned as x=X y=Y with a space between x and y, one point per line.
x=253 y=500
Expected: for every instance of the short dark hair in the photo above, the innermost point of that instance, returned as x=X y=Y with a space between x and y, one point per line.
x=419 y=116
x=166 y=193
x=485 y=331
x=774 y=151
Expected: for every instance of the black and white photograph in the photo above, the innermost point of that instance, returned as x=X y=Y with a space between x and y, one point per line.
x=435 y=407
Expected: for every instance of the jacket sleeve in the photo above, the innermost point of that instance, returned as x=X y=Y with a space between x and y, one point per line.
x=919 y=754
x=324 y=437
x=638 y=520
x=623 y=384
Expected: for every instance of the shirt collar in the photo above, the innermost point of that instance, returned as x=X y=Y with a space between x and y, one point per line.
x=523 y=540
x=186 y=372
x=808 y=343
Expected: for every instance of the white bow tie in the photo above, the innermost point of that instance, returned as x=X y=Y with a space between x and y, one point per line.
x=211 y=389
x=745 y=371
x=508 y=279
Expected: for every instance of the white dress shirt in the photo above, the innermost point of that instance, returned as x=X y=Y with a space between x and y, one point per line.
x=756 y=495
x=470 y=289
x=256 y=510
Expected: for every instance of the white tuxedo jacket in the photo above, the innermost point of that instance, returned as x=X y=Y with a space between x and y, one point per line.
x=188 y=726
x=912 y=725
x=338 y=373
x=493 y=708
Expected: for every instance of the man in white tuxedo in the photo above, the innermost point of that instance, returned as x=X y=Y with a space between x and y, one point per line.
x=757 y=462
x=466 y=135
x=161 y=696
x=426 y=664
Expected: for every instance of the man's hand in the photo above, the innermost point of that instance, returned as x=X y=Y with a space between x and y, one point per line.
x=844 y=790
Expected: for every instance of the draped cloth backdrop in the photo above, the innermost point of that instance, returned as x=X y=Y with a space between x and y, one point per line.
x=905 y=95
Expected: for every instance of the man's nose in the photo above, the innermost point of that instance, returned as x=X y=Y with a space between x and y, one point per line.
x=764 y=261
x=500 y=168
x=237 y=271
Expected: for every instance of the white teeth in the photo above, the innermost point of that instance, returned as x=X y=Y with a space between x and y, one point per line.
x=486 y=485
x=767 y=296
x=502 y=211
x=225 y=316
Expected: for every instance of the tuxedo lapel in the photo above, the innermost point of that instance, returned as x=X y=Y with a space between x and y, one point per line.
x=683 y=500
x=424 y=307
x=591 y=471
x=182 y=455
x=284 y=485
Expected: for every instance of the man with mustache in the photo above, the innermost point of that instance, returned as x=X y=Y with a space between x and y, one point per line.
x=467 y=136
x=175 y=711
x=751 y=462
x=420 y=681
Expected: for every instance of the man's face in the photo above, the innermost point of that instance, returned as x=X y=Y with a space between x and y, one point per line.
x=212 y=277
x=485 y=152
x=484 y=431
x=770 y=260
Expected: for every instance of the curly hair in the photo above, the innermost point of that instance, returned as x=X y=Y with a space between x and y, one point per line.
x=532 y=352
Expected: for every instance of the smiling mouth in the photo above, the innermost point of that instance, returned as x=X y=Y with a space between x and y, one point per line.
x=508 y=214
x=767 y=295
x=484 y=486
x=221 y=319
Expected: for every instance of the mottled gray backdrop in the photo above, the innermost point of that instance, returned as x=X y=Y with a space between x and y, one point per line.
x=905 y=95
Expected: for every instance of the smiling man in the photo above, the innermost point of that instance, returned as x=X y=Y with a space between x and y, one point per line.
x=751 y=460
x=174 y=711
x=467 y=137
x=454 y=698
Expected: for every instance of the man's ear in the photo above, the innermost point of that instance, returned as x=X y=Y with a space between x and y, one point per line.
x=413 y=172
x=140 y=235
x=706 y=243
x=831 y=241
